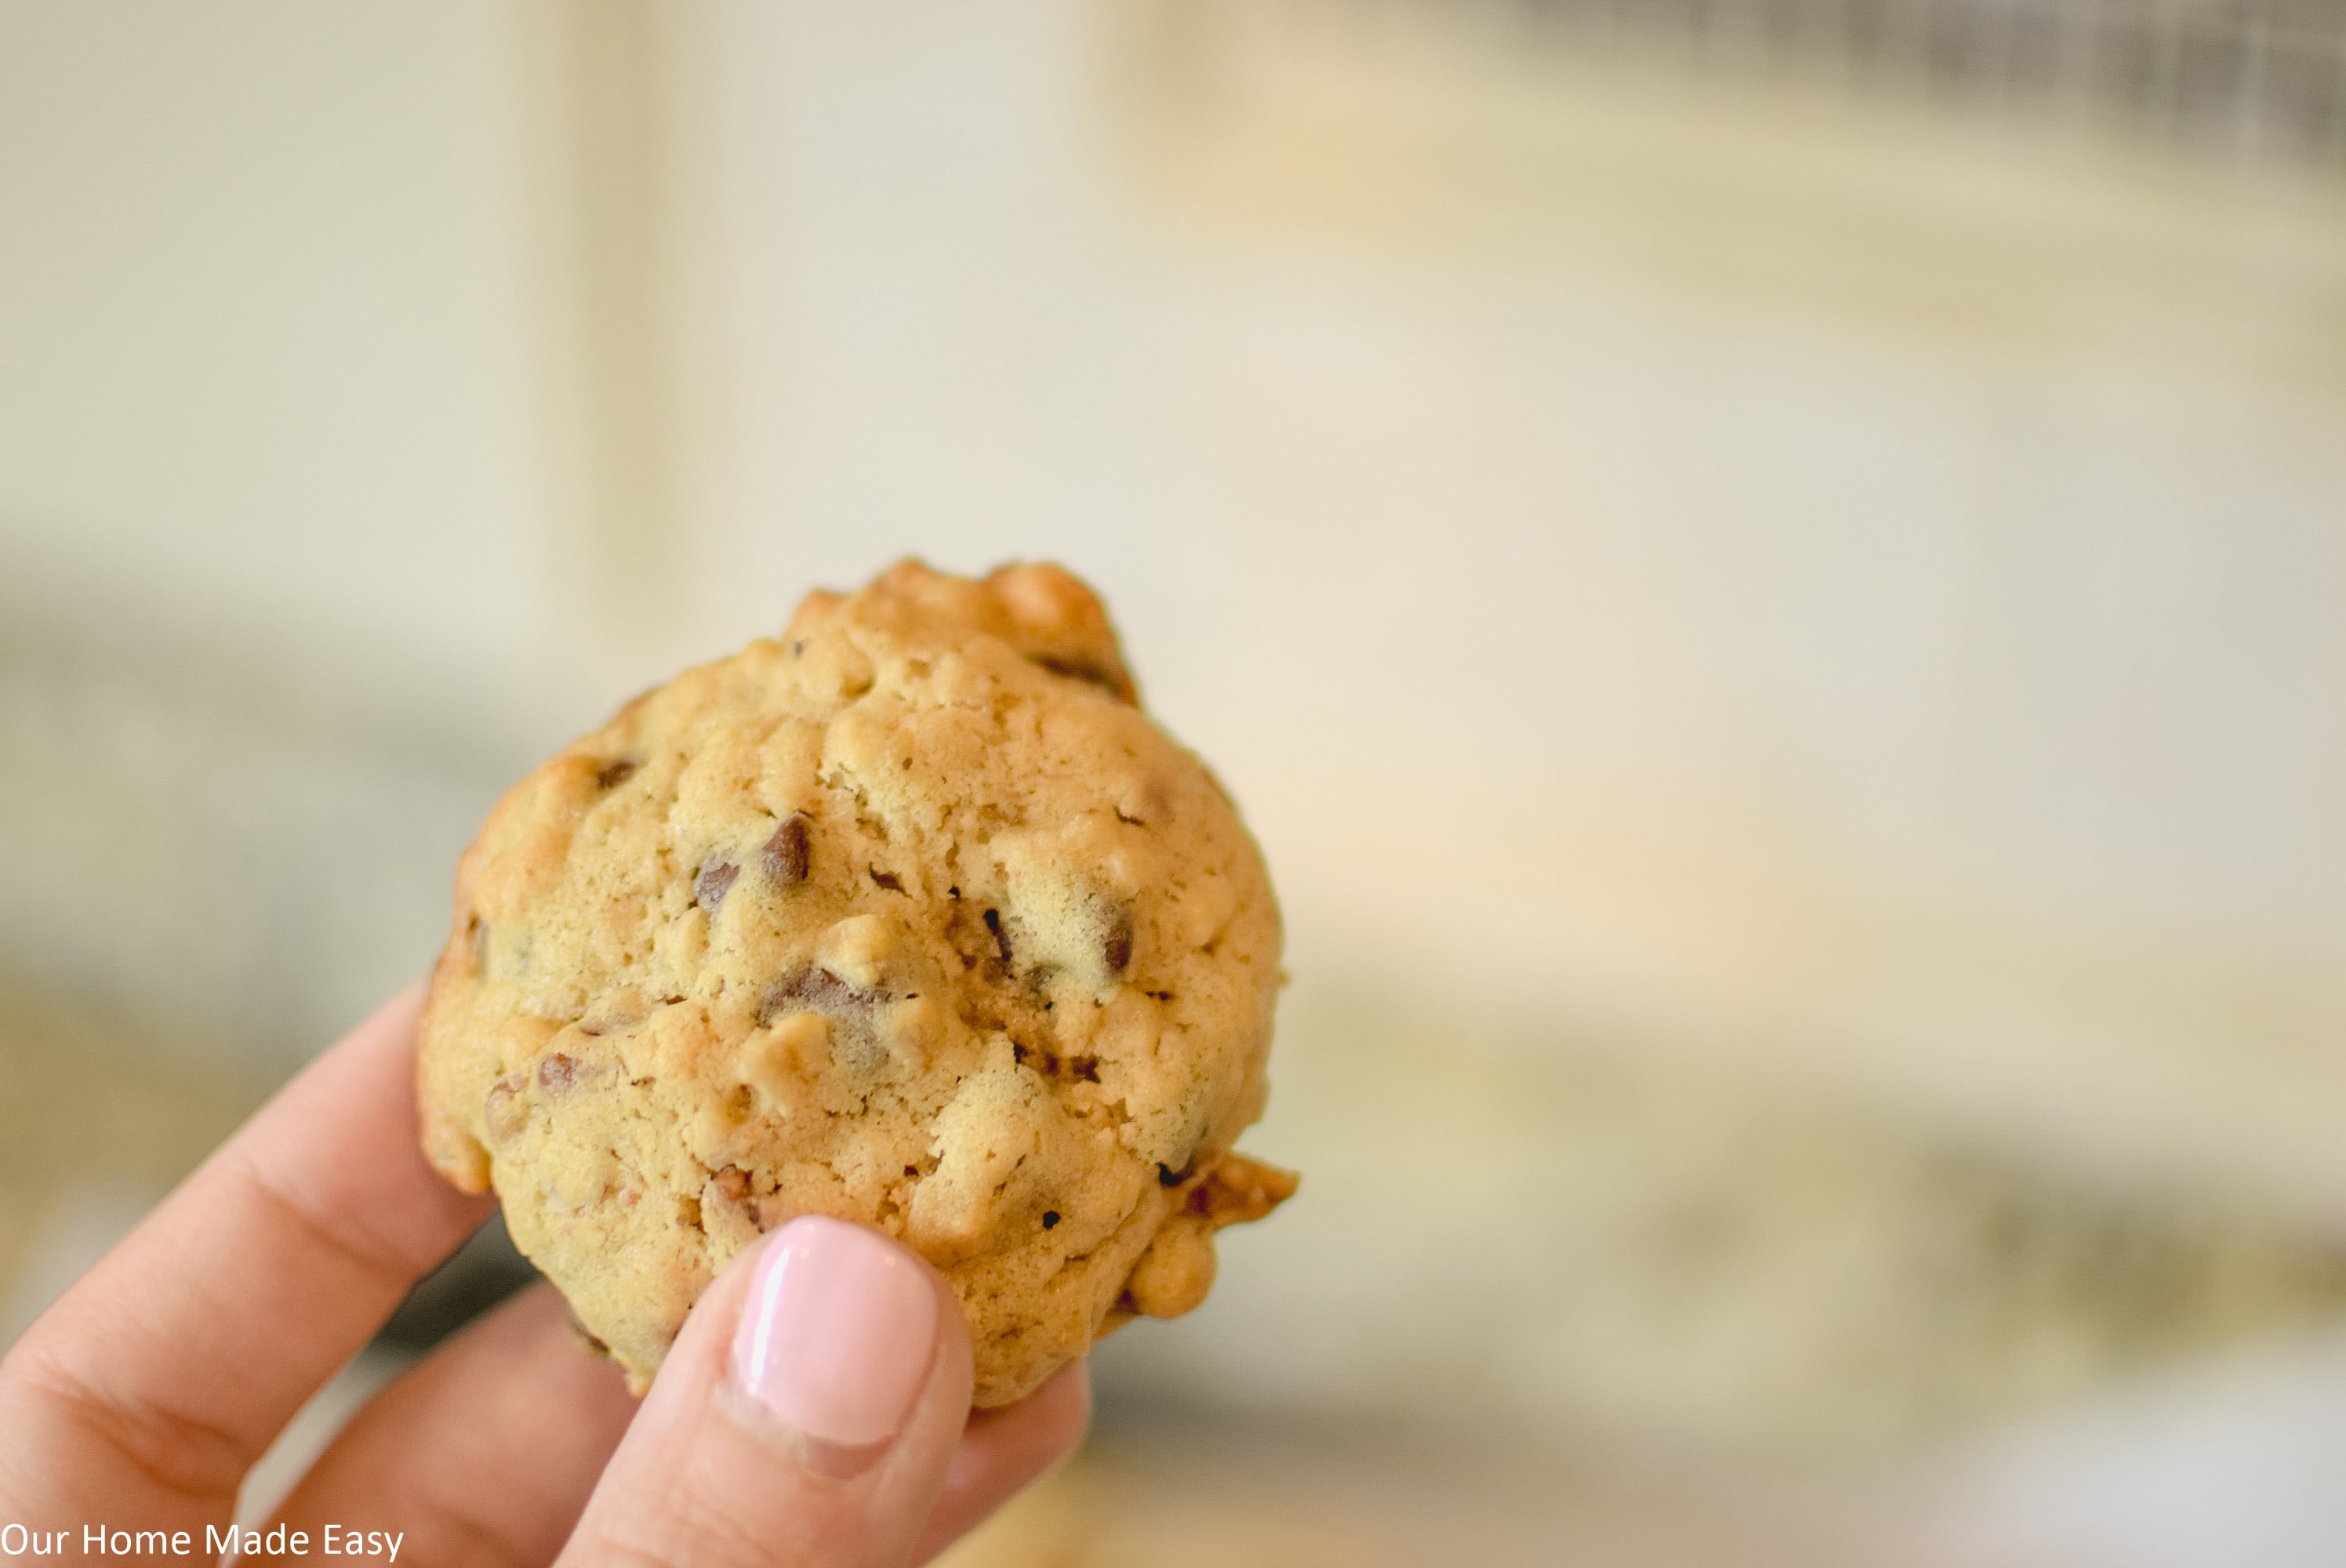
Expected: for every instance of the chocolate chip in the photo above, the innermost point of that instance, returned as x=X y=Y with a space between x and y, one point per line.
x=818 y=990
x=1168 y=1177
x=557 y=1073
x=716 y=879
x=786 y=855
x=889 y=880
x=1050 y=1218
x=613 y=774
x=1082 y=669
x=1001 y=937
x=1118 y=947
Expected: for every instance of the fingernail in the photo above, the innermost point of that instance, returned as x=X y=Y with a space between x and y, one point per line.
x=838 y=1333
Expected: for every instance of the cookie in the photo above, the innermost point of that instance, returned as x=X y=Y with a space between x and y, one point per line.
x=910 y=917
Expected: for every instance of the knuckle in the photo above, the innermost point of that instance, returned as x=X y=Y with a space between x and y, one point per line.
x=375 y=1256
x=172 y=1449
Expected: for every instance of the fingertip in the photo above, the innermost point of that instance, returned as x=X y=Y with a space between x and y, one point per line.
x=840 y=1335
x=801 y=1301
x=809 y=1409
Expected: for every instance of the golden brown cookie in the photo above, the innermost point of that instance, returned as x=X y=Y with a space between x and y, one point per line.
x=911 y=917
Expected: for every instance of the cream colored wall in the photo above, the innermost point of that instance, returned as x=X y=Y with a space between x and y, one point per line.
x=259 y=298
x=1830 y=583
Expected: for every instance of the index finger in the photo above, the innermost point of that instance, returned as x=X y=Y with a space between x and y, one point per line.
x=154 y=1383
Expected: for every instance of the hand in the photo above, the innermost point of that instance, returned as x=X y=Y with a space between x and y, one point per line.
x=814 y=1411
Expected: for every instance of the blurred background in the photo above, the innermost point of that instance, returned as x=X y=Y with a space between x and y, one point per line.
x=1772 y=575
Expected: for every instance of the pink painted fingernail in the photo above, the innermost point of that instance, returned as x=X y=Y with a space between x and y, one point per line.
x=838 y=1333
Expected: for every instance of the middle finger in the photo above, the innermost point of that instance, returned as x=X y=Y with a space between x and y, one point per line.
x=482 y=1455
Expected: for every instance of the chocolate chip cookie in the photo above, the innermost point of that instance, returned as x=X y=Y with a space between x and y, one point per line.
x=910 y=916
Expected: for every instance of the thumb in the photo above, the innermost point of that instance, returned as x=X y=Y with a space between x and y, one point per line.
x=806 y=1415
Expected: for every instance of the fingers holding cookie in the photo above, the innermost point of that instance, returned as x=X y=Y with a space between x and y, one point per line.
x=483 y=1454
x=167 y=1370
x=815 y=1411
